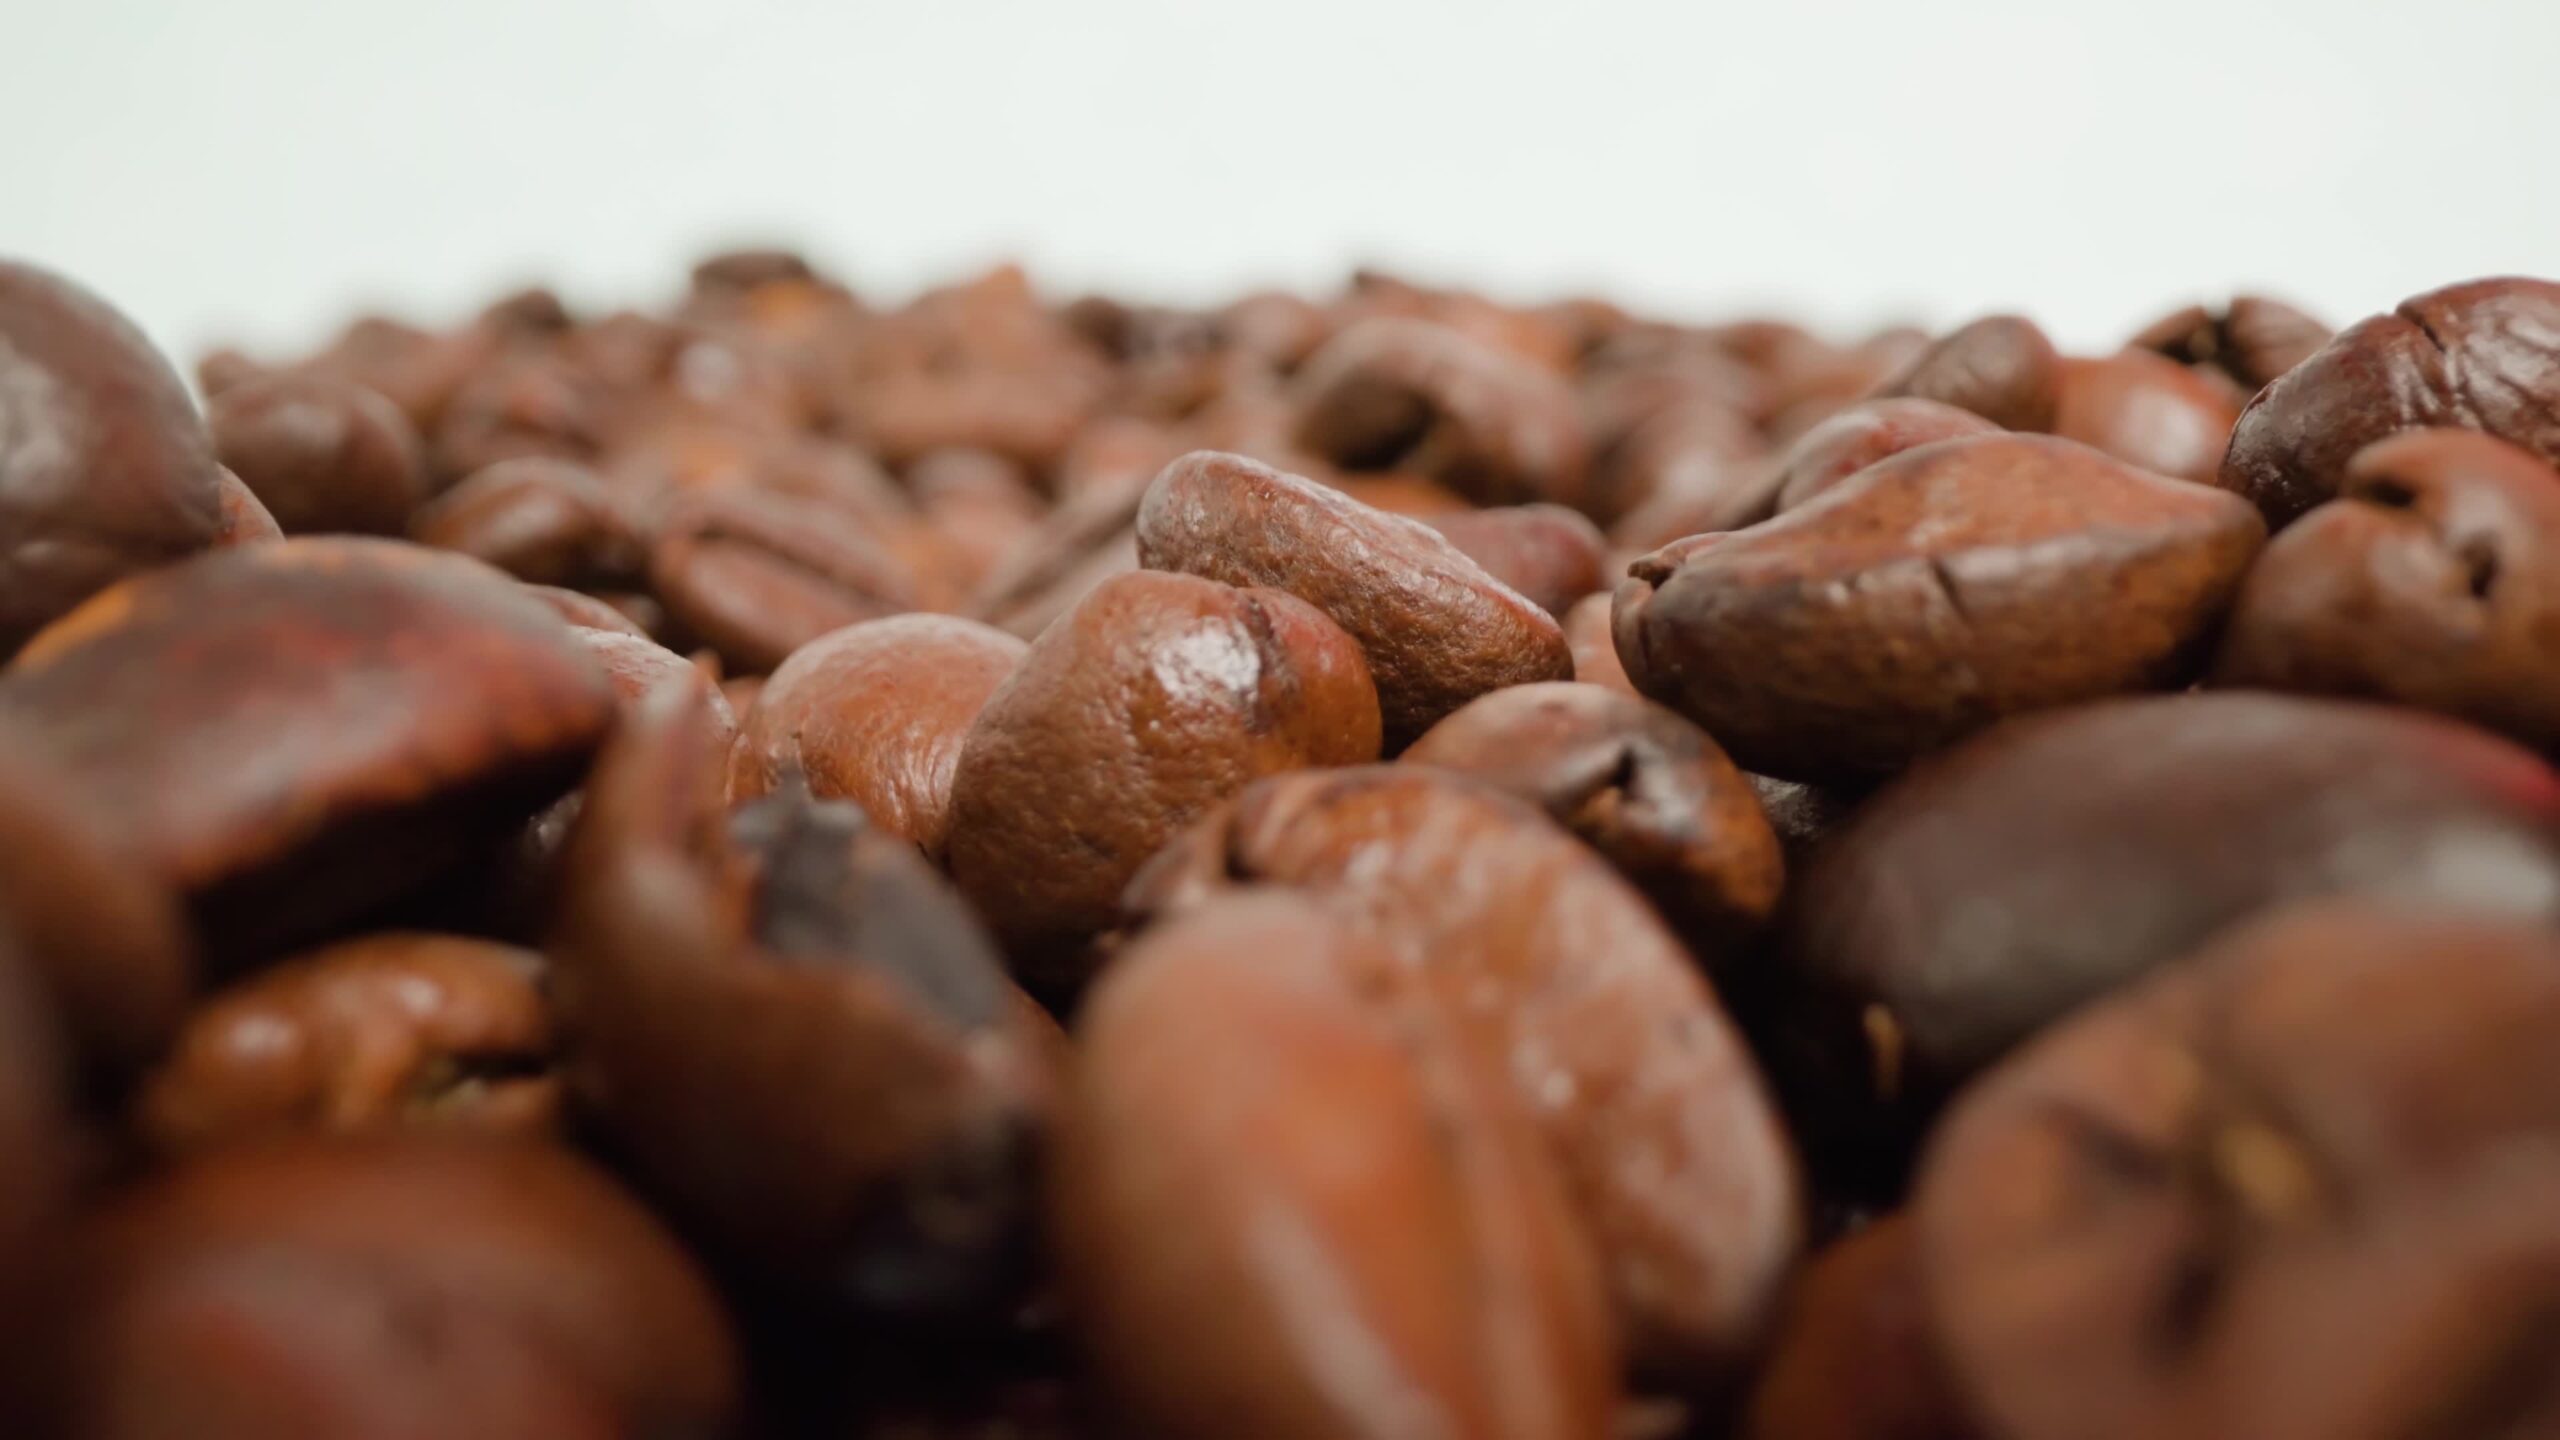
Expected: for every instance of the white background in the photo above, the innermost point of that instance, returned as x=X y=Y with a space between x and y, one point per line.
x=251 y=169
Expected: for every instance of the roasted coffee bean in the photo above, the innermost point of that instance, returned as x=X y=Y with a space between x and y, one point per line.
x=750 y=269
x=2304 y=1185
x=639 y=667
x=876 y=713
x=1548 y=553
x=396 y=1287
x=417 y=370
x=1614 y=1043
x=550 y=522
x=2147 y=411
x=388 y=1031
x=2481 y=356
x=1154 y=699
x=1084 y=542
x=322 y=454
x=1642 y=786
x=1407 y=395
x=105 y=469
x=2001 y=368
x=536 y=311
x=1930 y=595
x=2007 y=882
x=1595 y=647
x=1274 y=1093
x=2252 y=341
x=245 y=520
x=1438 y=631
x=1803 y=816
x=539 y=405
x=586 y=612
x=289 y=734
x=798 y=1034
x=758 y=575
x=2432 y=580
x=1863 y=434
x=38 y=1159
x=1691 y=468
x=979 y=505
x=1857 y=1358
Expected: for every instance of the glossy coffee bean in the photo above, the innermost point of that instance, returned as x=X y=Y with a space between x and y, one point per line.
x=1642 y=786
x=1548 y=553
x=1613 y=1041
x=1269 y=1085
x=292 y=733
x=2252 y=341
x=397 y=1287
x=1154 y=699
x=389 y=1031
x=798 y=1034
x=323 y=455
x=2001 y=368
x=1863 y=434
x=105 y=469
x=245 y=519
x=1857 y=1358
x=2481 y=356
x=1437 y=630
x=876 y=713
x=639 y=667
x=2147 y=411
x=758 y=575
x=1930 y=595
x=1407 y=395
x=2304 y=1185
x=1595 y=647
x=2000 y=886
x=548 y=522
x=2433 y=580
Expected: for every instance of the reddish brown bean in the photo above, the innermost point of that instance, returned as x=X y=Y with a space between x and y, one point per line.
x=321 y=454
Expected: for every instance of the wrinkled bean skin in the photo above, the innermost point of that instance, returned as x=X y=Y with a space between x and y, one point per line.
x=1863 y=434
x=1262 y=1094
x=386 y=1287
x=2304 y=1185
x=1437 y=630
x=1615 y=1043
x=1857 y=1358
x=2479 y=356
x=2011 y=880
x=800 y=1037
x=1595 y=648
x=1154 y=699
x=2433 y=580
x=2149 y=412
x=2252 y=342
x=1931 y=594
x=323 y=455
x=105 y=469
x=291 y=733
x=758 y=575
x=1546 y=552
x=876 y=713
x=547 y=522
x=392 y=1030
x=1409 y=395
x=1642 y=786
x=2001 y=368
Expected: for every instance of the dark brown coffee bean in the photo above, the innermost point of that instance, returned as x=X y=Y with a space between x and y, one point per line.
x=1614 y=1042
x=1438 y=631
x=245 y=520
x=1642 y=786
x=550 y=522
x=1282 y=329
x=798 y=1034
x=2252 y=342
x=104 y=468
x=1857 y=1358
x=535 y=312
x=980 y=506
x=586 y=612
x=1421 y=398
x=2005 y=883
x=639 y=667
x=1689 y=469
x=2303 y=1186
x=758 y=575
x=389 y=1031
x=1595 y=647
x=396 y=1287
x=323 y=455
x=1803 y=816
x=1274 y=1088
x=291 y=733
x=750 y=269
x=522 y=406
x=2432 y=580
x=1935 y=592
x=1154 y=699
x=1082 y=543
x=2482 y=356
x=2149 y=412
x=38 y=1161
x=417 y=370
x=2001 y=368
x=876 y=713
x=1863 y=434
x=1548 y=553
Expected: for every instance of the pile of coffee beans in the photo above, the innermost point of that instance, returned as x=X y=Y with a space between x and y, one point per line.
x=1388 y=867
